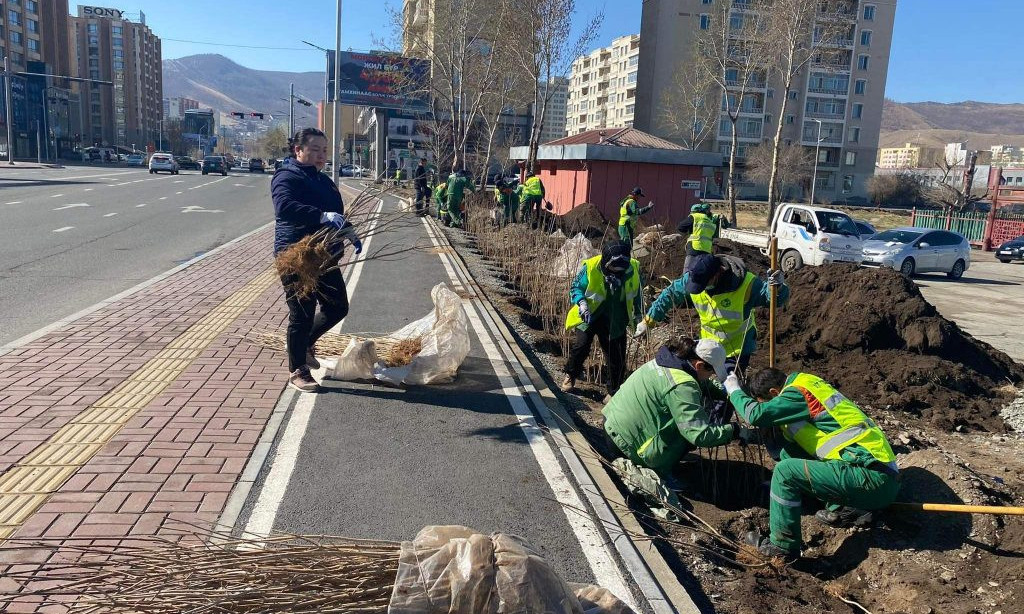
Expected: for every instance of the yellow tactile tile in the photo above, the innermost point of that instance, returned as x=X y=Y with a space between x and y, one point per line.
x=104 y=415
x=77 y=432
x=61 y=454
x=15 y=509
x=33 y=480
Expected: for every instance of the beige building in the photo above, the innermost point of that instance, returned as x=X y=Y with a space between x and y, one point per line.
x=108 y=46
x=556 y=114
x=603 y=87
x=36 y=30
x=908 y=156
x=844 y=98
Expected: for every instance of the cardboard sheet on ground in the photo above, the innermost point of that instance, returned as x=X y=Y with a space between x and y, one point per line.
x=444 y=337
x=455 y=570
x=571 y=256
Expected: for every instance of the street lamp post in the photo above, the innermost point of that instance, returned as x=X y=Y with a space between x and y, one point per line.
x=817 y=149
x=335 y=128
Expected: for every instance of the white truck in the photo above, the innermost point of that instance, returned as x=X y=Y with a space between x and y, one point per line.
x=807 y=235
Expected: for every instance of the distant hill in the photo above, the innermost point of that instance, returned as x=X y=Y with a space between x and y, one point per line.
x=225 y=86
x=933 y=124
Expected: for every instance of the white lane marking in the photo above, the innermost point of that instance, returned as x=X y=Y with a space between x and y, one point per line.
x=87 y=190
x=138 y=181
x=71 y=206
x=177 y=192
x=110 y=214
x=198 y=209
x=63 y=229
x=140 y=206
x=606 y=571
x=163 y=198
x=180 y=181
x=14 y=202
x=264 y=512
x=56 y=195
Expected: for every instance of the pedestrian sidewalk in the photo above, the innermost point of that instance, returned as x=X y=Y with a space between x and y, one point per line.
x=144 y=411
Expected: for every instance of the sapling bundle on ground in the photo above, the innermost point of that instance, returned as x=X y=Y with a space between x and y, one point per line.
x=392 y=352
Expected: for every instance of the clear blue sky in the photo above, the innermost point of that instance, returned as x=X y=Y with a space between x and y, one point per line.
x=943 y=50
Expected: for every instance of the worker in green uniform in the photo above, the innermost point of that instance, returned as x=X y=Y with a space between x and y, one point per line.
x=508 y=202
x=532 y=197
x=702 y=227
x=441 y=198
x=658 y=414
x=458 y=183
x=629 y=213
x=833 y=452
x=724 y=294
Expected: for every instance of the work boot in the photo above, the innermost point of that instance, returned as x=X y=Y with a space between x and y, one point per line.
x=765 y=546
x=844 y=517
x=568 y=384
x=311 y=360
x=302 y=380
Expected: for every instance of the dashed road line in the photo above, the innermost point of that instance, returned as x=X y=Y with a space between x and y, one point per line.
x=63 y=229
x=163 y=198
x=88 y=190
x=110 y=214
x=177 y=192
x=72 y=206
x=139 y=206
x=56 y=195
x=14 y=202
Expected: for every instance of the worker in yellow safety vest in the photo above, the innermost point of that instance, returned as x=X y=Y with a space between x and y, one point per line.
x=702 y=228
x=629 y=214
x=607 y=302
x=833 y=452
x=532 y=197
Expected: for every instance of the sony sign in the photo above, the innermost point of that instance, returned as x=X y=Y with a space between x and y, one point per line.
x=99 y=11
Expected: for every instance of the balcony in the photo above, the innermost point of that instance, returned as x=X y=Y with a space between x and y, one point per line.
x=830 y=91
x=746 y=110
x=826 y=115
x=832 y=66
x=826 y=139
x=752 y=84
x=842 y=43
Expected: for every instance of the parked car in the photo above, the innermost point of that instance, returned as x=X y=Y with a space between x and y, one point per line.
x=186 y=163
x=215 y=164
x=163 y=162
x=913 y=250
x=136 y=159
x=1011 y=250
x=256 y=165
x=865 y=229
x=807 y=235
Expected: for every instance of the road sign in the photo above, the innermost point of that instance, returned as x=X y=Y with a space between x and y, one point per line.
x=689 y=185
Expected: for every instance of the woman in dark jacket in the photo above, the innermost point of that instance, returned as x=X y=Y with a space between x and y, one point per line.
x=306 y=200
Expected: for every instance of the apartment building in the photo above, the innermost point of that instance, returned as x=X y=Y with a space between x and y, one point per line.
x=1005 y=155
x=556 y=114
x=174 y=108
x=836 y=107
x=110 y=45
x=908 y=156
x=603 y=86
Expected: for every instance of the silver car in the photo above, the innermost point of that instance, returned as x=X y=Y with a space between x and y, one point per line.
x=919 y=250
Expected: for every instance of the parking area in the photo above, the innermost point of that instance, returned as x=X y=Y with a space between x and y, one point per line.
x=986 y=302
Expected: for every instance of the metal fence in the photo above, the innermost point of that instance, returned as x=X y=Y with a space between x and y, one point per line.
x=969 y=224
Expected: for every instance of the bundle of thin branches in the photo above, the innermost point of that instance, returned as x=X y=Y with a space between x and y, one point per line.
x=393 y=352
x=158 y=575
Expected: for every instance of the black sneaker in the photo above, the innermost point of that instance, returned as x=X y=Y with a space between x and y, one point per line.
x=845 y=517
x=765 y=546
x=302 y=381
x=311 y=360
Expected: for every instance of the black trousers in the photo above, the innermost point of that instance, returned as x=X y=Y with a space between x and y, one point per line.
x=305 y=324
x=422 y=198
x=614 y=353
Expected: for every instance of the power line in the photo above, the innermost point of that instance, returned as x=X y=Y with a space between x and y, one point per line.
x=179 y=40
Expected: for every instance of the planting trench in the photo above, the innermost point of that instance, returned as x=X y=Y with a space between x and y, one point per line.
x=936 y=391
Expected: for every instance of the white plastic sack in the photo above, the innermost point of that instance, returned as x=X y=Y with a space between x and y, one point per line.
x=571 y=256
x=356 y=362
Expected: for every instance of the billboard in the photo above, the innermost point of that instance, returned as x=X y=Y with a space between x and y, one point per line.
x=381 y=80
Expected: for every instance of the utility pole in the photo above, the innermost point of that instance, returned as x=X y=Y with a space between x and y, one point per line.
x=9 y=103
x=817 y=149
x=335 y=128
x=291 y=111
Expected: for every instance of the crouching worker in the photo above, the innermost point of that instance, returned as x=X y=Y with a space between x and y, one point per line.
x=834 y=452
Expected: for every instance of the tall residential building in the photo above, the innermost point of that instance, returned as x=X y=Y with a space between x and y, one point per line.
x=176 y=107
x=1004 y=155
x=603 y=86
x=908 y=156
x=555 y=114
x=845 y=96
x=955 y=154
x=111 y=47
x=36 y=30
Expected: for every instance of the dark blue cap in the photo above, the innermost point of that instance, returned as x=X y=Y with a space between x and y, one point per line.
x=702 y=269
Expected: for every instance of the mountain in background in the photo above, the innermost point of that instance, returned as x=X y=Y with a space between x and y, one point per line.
x=933 y=124
x=221 y=84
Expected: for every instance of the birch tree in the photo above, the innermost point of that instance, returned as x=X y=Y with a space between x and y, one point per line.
x=690 y=105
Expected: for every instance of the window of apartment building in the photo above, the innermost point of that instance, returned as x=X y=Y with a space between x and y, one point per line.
x=93 y=28
x=790 y=119
x=634 y=60
x=862 y=62
x=117 y=30
x=793 y=95
x=118 y=65
x=860 y=87
x=118 y=41
x=118 y=53
x=858 y=110
x=18 y=58
x=33 y=45
x=14 y=18
x=705 y=22
x=33 y=26
x=705 y=1
x=736 y=22
x=32 y=6
x=630 y=108
x=865 y=38
x=851 y=158
x=94 y=74
x=847 y=183
x=855 y=135
x=16 y=38
x=631 y=77
x=869 y=12
x=770 y=93
x=94 y=40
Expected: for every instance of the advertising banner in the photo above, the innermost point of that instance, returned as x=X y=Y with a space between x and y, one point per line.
x=381 y=80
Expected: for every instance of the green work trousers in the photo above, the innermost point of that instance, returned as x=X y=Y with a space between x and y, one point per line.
x=626 y=235
x=836 y=483
x=510 y=213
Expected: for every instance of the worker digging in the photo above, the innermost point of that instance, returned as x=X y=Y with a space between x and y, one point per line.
x=629 y=214
x=702 y=228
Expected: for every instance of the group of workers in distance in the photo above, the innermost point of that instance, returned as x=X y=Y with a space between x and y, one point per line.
x=690 y=395
x=515 y=202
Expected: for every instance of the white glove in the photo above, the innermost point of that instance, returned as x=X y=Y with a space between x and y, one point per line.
x=732 y=384
x=641 y=329
x=334 y=219
x=584 y=311
x=775 y=277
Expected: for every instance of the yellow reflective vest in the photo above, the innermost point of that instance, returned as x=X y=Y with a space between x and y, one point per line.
x=704 y=228
x=533 y=187
x=597 y=291
x=820 y=437
x=721 y=316
x=626 y=217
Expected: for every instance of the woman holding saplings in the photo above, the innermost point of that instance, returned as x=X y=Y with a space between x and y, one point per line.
x=305 y=201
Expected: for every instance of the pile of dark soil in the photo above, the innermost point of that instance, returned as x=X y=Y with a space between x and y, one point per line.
x=665 y=257
x=585 y=218
x=871 y=333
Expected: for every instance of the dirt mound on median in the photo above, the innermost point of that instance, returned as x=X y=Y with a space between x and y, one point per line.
x=664 y=257
x=871 y=333
x=585 y=218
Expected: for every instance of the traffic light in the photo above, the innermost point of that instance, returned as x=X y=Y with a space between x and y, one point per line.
x=256 y=115
x=238 y=114
x=303 y=101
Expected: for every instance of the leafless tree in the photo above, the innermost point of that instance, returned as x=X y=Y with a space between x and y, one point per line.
x=955 y=190
x=548 y=26
x=733 y=53
x=901 y=189
x=795 y=165
x=690 y=104
x=274 y=143
x=804 y=34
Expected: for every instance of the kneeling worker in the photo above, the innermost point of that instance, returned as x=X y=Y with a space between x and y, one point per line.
x=834 y=452
x=658 y=414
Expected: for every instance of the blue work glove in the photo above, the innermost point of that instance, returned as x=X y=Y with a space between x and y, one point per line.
x=334 y=219
x=775 y=277
x=584 y=311
x=356 y=243
x=348 y=232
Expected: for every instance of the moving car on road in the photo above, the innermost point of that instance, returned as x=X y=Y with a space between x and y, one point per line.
x=215 y=164
x=163 y=162
x=913 y=250
x=136 y=159
x=1011 y=250
x=186 y=163
x=256 y=165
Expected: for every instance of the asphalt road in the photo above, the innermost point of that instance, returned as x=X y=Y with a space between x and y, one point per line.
x=74 y=236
